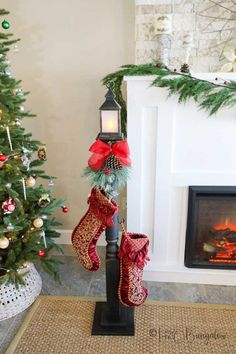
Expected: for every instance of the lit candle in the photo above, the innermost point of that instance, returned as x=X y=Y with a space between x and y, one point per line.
x=110 y=121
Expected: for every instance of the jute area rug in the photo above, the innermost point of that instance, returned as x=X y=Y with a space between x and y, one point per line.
x=62 y=325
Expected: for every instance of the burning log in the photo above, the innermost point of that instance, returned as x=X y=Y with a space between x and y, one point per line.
x=221 y=244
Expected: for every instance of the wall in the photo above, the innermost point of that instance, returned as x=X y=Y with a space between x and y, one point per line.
x=65 y=51
x=212 y=24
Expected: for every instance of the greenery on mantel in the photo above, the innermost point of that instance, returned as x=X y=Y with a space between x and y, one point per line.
x=210 y=96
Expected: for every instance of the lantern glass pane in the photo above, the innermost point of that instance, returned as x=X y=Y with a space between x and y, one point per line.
x=110 y=121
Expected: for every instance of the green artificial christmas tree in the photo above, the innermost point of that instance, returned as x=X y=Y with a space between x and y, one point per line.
x=26 y=206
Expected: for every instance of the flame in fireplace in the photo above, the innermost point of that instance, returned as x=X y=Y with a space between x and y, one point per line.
x=226 y=225
x=222 y=243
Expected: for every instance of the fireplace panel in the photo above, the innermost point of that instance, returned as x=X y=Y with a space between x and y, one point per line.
x=211 y=228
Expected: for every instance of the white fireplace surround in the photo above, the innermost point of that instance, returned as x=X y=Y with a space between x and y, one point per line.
x=172 y=147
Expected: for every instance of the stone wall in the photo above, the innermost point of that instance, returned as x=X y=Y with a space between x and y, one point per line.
x=212 y=24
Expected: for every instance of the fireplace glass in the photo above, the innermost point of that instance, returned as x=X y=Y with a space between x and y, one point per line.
x=211 y=228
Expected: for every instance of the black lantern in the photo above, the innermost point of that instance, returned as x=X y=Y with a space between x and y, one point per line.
x=110 y=127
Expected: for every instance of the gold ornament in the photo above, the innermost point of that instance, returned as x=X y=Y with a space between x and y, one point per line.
x=17 y=157
x=1 y=113
x=4 y=242
x=42 y=153
x=30 y=181
x=38 y=222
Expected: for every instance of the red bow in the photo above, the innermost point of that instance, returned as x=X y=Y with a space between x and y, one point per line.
x=102 y=150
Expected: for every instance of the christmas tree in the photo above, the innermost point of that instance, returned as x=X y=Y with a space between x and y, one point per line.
x=26 y=207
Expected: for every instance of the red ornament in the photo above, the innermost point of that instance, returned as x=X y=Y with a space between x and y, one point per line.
x=107 y=172
x=225 y=82
x=3 y=157
x=9 y=206
x=65 y=209
x=41 y=253
x=175 y=69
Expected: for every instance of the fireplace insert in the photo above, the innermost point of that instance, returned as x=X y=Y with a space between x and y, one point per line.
x=211 y=228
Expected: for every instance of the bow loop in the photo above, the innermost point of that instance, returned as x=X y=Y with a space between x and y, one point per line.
x=102 y=150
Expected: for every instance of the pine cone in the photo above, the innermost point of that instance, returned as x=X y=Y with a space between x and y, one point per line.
x=185 y=68
x=113 y=162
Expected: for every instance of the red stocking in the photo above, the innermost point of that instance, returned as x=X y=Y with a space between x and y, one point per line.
x=86 y=233
x=133 y=255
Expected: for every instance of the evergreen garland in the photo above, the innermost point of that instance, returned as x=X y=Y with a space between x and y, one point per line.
x=210 y=96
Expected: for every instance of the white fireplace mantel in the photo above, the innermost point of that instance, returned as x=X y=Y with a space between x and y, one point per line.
x=172 y=147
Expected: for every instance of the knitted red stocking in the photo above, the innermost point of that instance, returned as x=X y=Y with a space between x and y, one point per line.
x=133 y=256
x=86 y=233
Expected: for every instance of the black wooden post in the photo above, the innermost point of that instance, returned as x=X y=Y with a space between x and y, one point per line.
x=111 y=317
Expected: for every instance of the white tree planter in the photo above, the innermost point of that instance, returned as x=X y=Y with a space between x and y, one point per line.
x=13 y=300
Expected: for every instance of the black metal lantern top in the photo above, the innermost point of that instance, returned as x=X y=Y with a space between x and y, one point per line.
x=110 y=127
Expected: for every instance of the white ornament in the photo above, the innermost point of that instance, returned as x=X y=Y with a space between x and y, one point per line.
x=8 y=185
x=9 y=137
x=10 y=227
x=43 y=235
x=38 y=223
x=44 y=217
x=22 y=108
x=7 y=71
x=4 y=242
x=30 y=181
x=24 y=188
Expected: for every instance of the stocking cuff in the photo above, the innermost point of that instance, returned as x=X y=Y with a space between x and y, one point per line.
x=102 y=207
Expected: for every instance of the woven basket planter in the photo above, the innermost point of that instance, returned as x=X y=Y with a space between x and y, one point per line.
x=13 y=300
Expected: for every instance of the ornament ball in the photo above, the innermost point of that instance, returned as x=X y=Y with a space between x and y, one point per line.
x=4 y=242
x=3 y=157
x=41 y=253
x=65 y=209
x=5 y=24
x=10 y=227
x=38 y=222
x=30 y=181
